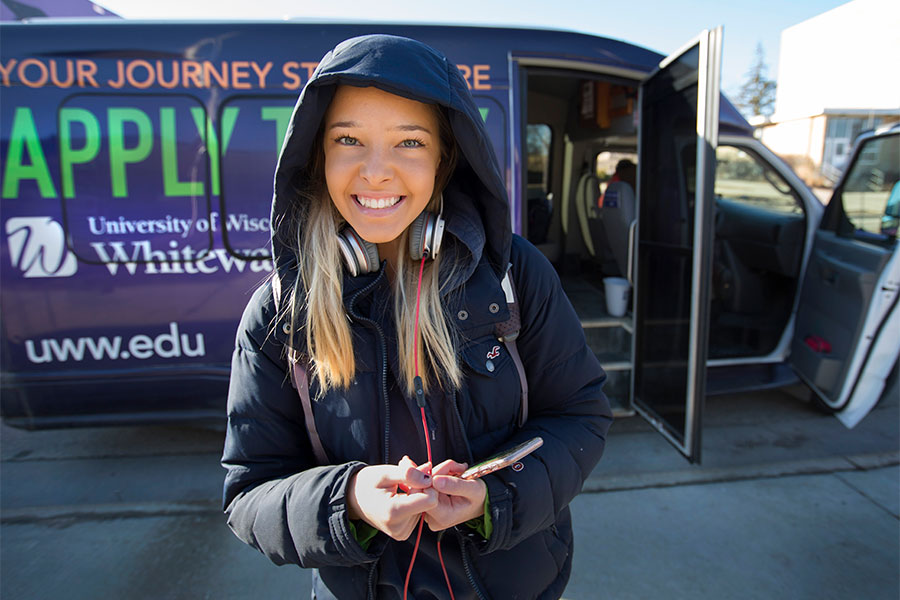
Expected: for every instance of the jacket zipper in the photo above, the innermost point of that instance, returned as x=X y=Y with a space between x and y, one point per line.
x=370 y=588
x=462 y=539
x=384 y=392
x=468 y=568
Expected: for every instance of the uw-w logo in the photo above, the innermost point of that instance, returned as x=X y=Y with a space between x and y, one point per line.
x=37 y=246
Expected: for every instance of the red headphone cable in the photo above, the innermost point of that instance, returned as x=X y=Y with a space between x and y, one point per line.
x=420 y=400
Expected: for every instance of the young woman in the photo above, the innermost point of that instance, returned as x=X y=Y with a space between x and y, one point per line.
x=392 y=240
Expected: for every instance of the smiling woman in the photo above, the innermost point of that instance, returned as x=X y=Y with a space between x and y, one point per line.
x=394 y=255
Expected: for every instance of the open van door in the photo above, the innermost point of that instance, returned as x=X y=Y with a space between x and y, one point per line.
x=678 y=130
x=847 y=337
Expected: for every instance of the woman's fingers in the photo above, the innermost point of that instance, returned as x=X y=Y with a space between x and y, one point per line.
x=471 y=489
x=411 y=476
x=450 y=467
x=372 y=496
x=459 y=500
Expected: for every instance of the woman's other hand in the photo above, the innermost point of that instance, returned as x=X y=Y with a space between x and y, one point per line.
x=372 y=496
x=459 y=500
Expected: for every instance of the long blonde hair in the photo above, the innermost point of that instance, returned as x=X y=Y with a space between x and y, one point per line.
x=318 y=292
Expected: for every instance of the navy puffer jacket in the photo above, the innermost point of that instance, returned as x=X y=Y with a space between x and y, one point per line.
x=280 y=501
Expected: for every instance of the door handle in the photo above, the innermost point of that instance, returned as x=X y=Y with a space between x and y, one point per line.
x=828 y=275
x=630 y=264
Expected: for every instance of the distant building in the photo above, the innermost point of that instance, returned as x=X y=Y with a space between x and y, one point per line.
x=838 y=75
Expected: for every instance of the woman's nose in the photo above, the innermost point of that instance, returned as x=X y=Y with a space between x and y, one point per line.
x=376 y=166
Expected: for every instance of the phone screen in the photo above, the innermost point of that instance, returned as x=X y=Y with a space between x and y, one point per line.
x=504 y=459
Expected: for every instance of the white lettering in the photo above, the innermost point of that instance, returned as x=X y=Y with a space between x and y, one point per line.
x=119 y=256
x=141 y=346
x=171 y=344
x=33 y=357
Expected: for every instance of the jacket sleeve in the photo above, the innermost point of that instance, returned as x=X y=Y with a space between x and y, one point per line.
x=276 y=499
x=567 y=408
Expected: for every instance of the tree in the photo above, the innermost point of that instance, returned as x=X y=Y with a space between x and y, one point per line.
x=757 y=95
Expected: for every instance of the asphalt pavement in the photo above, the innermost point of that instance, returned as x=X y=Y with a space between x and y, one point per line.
x=787 y=503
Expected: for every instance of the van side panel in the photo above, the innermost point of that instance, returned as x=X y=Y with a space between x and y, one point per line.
x=136 y=190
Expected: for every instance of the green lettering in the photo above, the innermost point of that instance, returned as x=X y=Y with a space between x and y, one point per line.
x=169 y=141
x=24 y=136
x=229 y=117
x=282 y=117
x=119 y=155
x=68 y=156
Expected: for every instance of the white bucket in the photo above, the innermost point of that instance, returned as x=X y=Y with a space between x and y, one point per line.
x=617 y=289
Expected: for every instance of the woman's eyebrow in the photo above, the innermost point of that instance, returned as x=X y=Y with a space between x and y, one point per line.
x=412 y=127
x=341 y=124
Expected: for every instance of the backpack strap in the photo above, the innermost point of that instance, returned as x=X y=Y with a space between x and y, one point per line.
x=300 y=380
x=507 y=332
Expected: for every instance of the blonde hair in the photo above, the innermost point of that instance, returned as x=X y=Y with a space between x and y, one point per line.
x=319 y=289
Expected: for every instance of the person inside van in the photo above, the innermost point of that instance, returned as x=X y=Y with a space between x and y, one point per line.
x=617 y=205
x=378 y=361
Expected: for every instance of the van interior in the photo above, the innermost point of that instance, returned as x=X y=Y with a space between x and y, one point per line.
x=582 y=126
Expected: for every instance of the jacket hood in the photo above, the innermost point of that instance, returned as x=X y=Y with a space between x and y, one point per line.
x=476 y=208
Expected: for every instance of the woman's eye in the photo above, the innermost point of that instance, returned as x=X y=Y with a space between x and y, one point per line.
x=347 y=140
x=411 y=143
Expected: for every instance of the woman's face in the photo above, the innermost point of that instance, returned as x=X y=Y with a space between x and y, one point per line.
x=381 y=155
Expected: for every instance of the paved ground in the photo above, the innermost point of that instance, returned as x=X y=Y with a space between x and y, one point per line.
x=787 y=504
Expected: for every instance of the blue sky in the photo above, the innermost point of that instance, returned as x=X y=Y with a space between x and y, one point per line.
x=656 y=24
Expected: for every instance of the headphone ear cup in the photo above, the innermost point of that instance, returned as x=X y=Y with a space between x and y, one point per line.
x=425 y=235
x=360 y=256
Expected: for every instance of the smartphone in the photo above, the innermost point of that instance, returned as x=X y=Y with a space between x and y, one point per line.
x=504 y=459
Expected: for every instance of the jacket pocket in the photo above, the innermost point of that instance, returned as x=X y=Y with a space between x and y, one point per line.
x=491 y=394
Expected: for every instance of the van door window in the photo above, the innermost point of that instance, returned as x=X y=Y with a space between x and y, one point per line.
x=760 y=227
x=539 y=138
x=870 y=194
x=742 y=177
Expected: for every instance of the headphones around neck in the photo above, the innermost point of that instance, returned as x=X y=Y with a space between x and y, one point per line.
x=361 y=257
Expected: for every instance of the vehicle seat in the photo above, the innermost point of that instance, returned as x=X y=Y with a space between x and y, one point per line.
x=618 y=213
x=586 y=196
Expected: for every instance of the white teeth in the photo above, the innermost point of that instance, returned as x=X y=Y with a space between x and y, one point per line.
x=378 y=202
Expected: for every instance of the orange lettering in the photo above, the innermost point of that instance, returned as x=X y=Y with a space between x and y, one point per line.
x=120 y=68
x=466 y=73
x=54 y=76
x=192 y=70
x=238 y=72
x=86 y=70
x=41 y=67
x=132 y=80
x=5 y=71
x=159 y=75
x=221 y=78
x=482 y=80
x=288 y=70
x=310 y=67
x=261 y=73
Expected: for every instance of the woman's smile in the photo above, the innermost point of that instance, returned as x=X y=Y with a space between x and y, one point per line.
x=377 y=202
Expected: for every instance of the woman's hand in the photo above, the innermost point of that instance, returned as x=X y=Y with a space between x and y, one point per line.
x=372 y=496
x=459 y=500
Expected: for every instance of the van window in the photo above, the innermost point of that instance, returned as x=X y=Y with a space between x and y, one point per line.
x=539 y=138
x=742 y=177
x=135 y=176
x=251 y=130
x=871 y=192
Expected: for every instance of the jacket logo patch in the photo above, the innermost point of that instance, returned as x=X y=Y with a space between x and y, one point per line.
x=494 y=353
